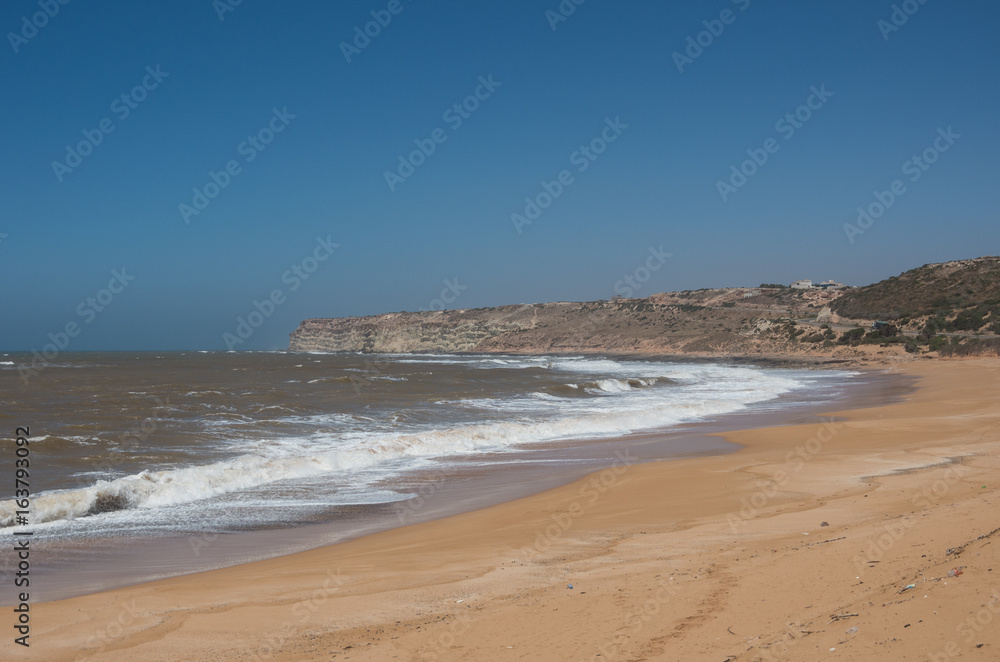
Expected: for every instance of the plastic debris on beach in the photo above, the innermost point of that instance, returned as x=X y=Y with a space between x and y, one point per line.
x=955 y=572
x=908 y=587
x=569 y=586
x=852 y=630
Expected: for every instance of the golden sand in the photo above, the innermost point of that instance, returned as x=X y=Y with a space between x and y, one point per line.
x=717 y=558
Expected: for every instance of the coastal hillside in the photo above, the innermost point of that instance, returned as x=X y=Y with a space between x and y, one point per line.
x=962 y=295
x=941 y=309
x=705 y=321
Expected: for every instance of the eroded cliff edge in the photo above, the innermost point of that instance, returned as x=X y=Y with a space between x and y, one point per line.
x=665 y=323
x=945 y=309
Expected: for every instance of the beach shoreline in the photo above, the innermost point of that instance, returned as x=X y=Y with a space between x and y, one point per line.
x=687 y=559
x=67 y=569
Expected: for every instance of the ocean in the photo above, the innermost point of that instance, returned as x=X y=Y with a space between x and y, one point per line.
x=134 y=451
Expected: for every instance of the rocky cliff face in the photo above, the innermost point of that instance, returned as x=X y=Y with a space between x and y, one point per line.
x=439 y=331
x=654 y=325
x=744 y=321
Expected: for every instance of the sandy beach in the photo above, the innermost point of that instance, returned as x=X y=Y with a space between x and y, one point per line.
x=830 y=540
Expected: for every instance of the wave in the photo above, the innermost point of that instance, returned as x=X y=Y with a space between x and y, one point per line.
x=618 y=385
x=345 y=379
x=55 y=444
x=151 y=489
x=477 y=361
x=575 y=398
x=603 y=387
x=340 y=379
x=344 y=452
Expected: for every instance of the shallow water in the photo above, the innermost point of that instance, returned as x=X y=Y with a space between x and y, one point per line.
x=131 y=448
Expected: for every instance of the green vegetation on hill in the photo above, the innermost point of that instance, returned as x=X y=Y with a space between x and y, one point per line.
x=952 y=296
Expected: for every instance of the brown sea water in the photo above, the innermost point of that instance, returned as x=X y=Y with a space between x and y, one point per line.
x=223 y=457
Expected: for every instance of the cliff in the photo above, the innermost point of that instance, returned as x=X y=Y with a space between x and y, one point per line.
x=708 y=321
x=437 y=331
x=949 y=308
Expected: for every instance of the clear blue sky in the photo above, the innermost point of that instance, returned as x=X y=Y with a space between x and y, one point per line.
x=323 y=175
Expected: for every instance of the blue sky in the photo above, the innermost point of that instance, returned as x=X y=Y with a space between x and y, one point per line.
x=264 y=66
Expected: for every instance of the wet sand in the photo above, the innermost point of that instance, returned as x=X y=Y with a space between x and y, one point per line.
x=70 y=569
x=706 y=558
